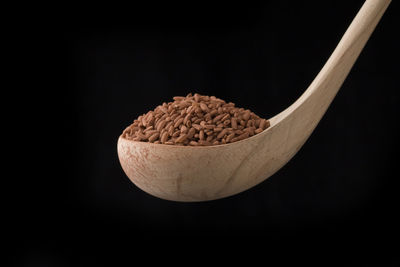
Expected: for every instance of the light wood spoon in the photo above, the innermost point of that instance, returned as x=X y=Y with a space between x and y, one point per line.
x=187 y=173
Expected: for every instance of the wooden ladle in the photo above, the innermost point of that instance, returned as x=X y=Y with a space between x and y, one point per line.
x=187 y=173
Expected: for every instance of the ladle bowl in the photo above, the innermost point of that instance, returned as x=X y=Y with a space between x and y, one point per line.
x=192 y=173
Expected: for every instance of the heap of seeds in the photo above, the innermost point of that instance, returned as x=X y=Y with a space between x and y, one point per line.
x=195 y=120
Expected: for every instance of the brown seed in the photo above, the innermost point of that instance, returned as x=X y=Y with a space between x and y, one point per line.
x=150 y=119
x=225 y=117
x=229 y=137
x=164 y=137
x=150 y=132
x=186 y=119
x=267 y=124
x=154 y=137
x=171 y=130
x=164 y=116
x=240 y=137
x=193 y=143
x=198 y=120
x=208 y=132
x=179 y=121
x=217 y=118
x=169 y=124
x=222 y=133
x=250 y=130
x=174 y=116
x=141 y=135
x=213 y=112
x=250 y=123
x=197 y=127
x=189 y=110
x=163 y=109
x=161 y=125
x=181 y=138
x=234 y=123
x=169 y=143
x=204 y=143
x=176 y=133
x=262 y=123
x=204 y=107
x=207 y=117
x=183 y=129
x=201 y=135
x=163 y=131
x=148 y=129
x=258 y=130
x=178 y=98
x=191 y=133
x=246 y=115
x=184 y=104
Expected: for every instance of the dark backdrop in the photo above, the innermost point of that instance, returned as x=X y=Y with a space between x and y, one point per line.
x=108 y=64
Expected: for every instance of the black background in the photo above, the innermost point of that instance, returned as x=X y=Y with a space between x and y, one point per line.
x=105 y=65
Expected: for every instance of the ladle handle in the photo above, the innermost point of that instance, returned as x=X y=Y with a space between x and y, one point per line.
x=323 y=89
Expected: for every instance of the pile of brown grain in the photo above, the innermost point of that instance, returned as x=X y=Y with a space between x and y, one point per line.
x=195 y=120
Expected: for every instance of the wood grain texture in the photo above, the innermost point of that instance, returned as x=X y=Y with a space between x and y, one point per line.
x=186 y=173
